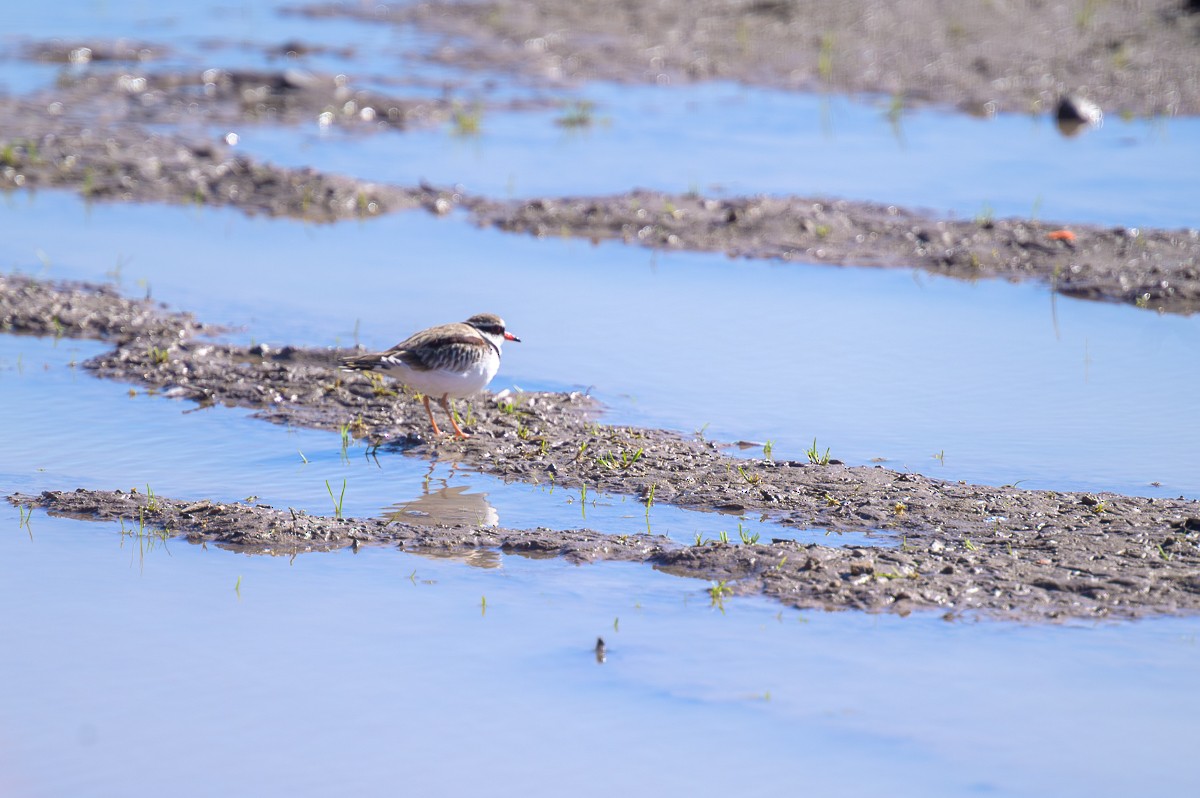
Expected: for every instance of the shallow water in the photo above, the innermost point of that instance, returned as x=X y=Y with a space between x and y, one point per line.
x=118 y=440
x=710 y=137
x=1005 y=382
x=202 y=672
x=139 y=667
x=737 y=140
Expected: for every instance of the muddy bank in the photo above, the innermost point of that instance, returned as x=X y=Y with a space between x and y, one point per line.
x=1082 y=542
x=1025 y=576
x=129 y=163
x=1157 y=269
x=1130 y=57
x=138 y=134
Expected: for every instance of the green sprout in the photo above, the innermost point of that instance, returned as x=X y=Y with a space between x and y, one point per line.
x=467 y=122
x=337 y=502
x=825 y=58
x=717 y=592
x=578 y=114
x=814 y=455
x=751 y=479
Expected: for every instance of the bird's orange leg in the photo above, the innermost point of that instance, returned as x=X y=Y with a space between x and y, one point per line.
x=446 y=406
x=429 y=410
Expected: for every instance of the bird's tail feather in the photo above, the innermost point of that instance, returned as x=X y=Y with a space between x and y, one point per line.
x=360 y=362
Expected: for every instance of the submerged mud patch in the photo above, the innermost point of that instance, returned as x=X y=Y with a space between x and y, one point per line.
x=1023 y=552
x=1031 y=577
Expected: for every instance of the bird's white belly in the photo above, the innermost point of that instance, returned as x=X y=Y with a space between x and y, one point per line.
x=438 y=382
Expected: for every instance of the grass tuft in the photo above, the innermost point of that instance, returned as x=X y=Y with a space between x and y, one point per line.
x=337 y=502
x=814 y=455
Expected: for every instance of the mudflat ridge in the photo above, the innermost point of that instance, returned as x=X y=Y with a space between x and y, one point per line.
x=955 y=546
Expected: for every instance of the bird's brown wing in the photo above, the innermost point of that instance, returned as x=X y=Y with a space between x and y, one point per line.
x=452 y=347
x=448 y=353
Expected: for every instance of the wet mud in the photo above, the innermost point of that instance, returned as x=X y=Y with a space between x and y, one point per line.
x=1157 y=269
x=955 y=546
x=39 y=149
x=1130 y=58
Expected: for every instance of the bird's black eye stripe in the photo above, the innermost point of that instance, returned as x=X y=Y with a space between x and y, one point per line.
x=490 y=329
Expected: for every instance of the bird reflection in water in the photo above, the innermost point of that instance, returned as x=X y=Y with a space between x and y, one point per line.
x=450 y=506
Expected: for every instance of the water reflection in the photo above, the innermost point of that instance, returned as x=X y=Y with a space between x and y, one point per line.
x=445 y=506
x=476 y=558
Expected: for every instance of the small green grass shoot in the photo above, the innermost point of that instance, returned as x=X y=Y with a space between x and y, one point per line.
x=814 y=454
x=338 y=500
x=26 y=515
x=467 y=122
x=751 y=479
x=747 y=538
x=717 y=593
x=825 y=57
x=580 y=113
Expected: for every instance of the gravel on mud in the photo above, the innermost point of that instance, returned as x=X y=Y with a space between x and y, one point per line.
x=1022 y=553
x=41 y=145
x=983 y=57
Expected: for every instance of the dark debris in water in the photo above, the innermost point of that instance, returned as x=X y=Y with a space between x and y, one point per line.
x=1023 y=553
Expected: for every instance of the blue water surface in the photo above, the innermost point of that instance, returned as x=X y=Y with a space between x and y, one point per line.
x=138 y=666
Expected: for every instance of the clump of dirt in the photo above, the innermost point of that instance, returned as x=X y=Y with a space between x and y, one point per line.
x=1135 y=58
x=1030 y=553
x=1157 y=269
